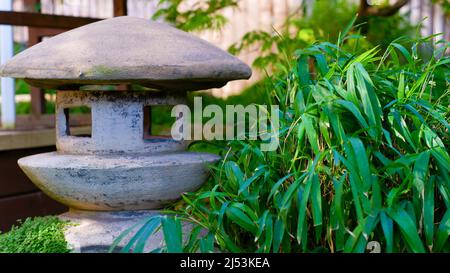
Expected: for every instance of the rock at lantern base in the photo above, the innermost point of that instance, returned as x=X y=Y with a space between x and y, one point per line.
x=95 y=232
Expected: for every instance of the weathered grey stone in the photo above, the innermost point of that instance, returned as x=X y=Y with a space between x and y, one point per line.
x=96 y=231
x=117 y=182
x=117 y=123
x=126 y=50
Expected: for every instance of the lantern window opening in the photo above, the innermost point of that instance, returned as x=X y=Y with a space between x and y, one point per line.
x=155 y=116
x=72 y=115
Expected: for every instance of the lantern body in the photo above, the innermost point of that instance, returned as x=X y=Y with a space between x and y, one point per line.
x=119 y=166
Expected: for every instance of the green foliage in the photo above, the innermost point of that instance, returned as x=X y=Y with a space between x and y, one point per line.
x=24 y=107
x=363 y=157
x=445 y=4
x=252 y=94
x=199 y=16
x=37 y=235
x=382 y=31
x=21 y=87
x=325 y=22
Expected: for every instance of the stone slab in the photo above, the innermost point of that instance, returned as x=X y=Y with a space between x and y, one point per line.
x=117 y=182
x=95 y=232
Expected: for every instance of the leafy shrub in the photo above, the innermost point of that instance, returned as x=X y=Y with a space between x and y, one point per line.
x=363 y=157
x=35 y=235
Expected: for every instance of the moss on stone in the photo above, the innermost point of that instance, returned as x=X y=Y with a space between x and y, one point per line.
x=36 y=235
x=100 y=71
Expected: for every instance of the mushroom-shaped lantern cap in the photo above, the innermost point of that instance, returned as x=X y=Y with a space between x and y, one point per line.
x=126 y=50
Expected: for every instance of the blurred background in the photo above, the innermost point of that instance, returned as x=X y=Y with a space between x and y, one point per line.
x=259 y=32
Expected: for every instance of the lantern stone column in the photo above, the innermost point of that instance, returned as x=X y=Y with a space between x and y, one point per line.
x=120 y=173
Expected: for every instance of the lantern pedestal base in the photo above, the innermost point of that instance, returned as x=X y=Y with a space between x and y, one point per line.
x=95 y=231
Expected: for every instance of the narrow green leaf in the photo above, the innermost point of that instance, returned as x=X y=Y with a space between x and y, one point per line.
x=173 y=235
x=234 y=174
x=311 y=133
x=277 y=185
x=428 y=212
x=246 y=184
x=388 y=229
x=407 y=228
x=241 y=219
x=125 y=233
x=316 y=202
x=339 y=210
x=401 y=87
x=268 y=235
x=149 y=228
x=207 y=243
x=442 y=232
x=302 y=207
x=279 y=228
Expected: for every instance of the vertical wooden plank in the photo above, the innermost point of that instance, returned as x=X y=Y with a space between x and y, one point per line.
x=446 y=24
x=131 y=7
x=240 y=27
x=85 y=8
x=120 y=8
x=431 y=18
x=279 y=14
x=59 y=7
x=266 y=15
x=46 y=6
x=21 y=33
x=88 y=8
x=420 y=12
x=29 y=5
x=37 y=102
x=427 y=13
x=252 y=14
x=108 y=8
x=93 y=8
x=226 y=35
x=37 y=95
x=101 y=10
x=79 y=8
x=414 y=13
x=67 y=8
x=142 y=7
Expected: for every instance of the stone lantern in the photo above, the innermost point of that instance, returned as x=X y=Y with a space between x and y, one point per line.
x=119 y=173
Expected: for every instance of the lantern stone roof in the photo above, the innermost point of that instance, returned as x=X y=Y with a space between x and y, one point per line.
x=126 y=50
